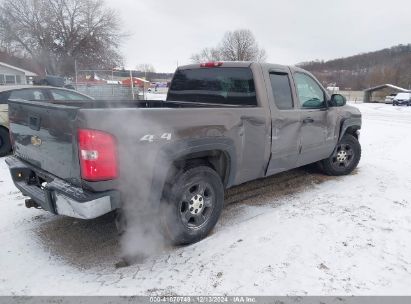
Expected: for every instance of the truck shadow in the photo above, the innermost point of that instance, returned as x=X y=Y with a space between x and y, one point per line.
x=83 y=244
x=95 y=243
x=271 y=191
x=265 y=190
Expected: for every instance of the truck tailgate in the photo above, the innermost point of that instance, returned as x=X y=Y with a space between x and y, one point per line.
x=43 y=135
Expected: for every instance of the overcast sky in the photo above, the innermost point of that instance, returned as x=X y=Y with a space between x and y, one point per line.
x=163 y=32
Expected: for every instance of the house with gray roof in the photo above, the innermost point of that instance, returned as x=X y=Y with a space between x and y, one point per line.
x=12 y=75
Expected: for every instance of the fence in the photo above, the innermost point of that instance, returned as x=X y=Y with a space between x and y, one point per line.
x=356 y=96
x=110 y=91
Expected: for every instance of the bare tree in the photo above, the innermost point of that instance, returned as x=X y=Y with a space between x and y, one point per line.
x=145 y=67
x=55 y=33
x=239 y=45
x=147 y=70
x=207 y=54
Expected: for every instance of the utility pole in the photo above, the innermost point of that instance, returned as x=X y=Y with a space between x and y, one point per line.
x=75 y=72
x=144 y=84
x=132 y=83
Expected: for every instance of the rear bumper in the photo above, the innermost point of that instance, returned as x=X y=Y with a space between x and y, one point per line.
x=59 y=197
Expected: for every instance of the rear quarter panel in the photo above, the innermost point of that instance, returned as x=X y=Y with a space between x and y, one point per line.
x=149 y=140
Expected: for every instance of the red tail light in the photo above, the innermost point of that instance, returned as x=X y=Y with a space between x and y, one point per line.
x=98 y=155
x=211 y=64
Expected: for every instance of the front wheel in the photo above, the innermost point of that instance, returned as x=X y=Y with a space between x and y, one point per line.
x=5 y=145
x=345 y=157
x=192 y=205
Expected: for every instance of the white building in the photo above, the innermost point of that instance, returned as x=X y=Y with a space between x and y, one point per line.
x=11 y=75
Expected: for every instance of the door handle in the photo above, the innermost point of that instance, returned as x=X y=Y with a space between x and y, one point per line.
x=308 y=120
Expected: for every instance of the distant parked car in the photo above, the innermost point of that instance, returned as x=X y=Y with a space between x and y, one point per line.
x=31 y=93
x=54 y=81
x=402 y=99
x=390 y=98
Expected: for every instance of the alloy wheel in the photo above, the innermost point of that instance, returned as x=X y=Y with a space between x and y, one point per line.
x=196 y=205
x=343 y=156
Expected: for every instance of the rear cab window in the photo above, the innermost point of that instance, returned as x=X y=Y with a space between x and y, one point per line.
x=219 y=85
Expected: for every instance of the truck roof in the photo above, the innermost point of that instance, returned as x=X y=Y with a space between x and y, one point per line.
x=230 y=64
x=242 y=64
x=233 y=64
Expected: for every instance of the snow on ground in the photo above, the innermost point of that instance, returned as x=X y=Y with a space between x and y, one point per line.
x=295 y=233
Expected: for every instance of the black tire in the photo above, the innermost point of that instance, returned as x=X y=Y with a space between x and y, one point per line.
x=192 y=205
x=344 y=158
x=5 y=145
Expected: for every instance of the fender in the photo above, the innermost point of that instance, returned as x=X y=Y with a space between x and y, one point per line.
x=351 y=122
x=178 y=150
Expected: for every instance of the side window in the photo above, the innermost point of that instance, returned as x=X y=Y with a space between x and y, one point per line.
x=63 y=95
x=10 y=79
x=280 y=84
x=28 y=94
x=309 y=92
x=4 y=97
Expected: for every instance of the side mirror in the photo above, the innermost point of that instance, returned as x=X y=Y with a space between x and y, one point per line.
x=337 y=100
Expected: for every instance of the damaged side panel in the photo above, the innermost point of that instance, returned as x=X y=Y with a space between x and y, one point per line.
x=156 y=137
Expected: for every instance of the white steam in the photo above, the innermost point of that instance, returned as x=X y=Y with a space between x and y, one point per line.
x=140 y=140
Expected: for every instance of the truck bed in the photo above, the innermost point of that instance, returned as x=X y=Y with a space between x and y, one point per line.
x=101 y=104
x=45 y=134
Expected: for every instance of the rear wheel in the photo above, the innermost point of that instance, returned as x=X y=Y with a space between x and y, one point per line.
x=5 y=145
x=345 y=157
x=192 y=205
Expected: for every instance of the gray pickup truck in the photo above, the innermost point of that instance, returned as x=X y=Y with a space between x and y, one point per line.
x=222 y=124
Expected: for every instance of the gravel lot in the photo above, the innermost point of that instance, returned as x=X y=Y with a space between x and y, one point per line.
x=296 y=233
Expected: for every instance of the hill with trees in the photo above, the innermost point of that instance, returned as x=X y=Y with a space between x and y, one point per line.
x=391 y=65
